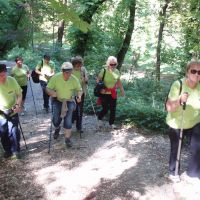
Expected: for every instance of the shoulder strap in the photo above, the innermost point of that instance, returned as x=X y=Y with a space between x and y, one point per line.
x=104 y=74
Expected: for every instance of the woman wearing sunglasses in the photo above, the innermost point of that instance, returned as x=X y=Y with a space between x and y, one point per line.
x=188 y=120
x=109 y=95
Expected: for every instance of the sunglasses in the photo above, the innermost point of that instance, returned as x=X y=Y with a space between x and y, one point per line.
x=113 y=64
x=194 y=71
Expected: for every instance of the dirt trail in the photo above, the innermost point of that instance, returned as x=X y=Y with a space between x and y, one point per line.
x=123 y=164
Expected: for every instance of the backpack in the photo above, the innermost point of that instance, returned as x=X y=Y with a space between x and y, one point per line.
x=99 y=86
x=35 y=76
x=180 y=90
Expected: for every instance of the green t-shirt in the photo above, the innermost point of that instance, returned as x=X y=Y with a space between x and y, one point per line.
x=8 y=92
x=65 y=89
x=20 y=74
x=192 y=112
x=110 y=78
x=45 y=69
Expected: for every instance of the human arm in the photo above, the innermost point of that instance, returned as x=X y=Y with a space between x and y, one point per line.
x=119 y=84
x=51 y=92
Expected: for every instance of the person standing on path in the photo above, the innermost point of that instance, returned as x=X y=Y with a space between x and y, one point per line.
x=80 y=73
x=186 y=93
x=21 y=73
x=46 y=69
x=10 y=104
x=109 y=95
x=63 y=87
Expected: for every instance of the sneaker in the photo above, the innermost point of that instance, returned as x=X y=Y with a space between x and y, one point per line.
x=174 y=179
x=7 y=154
x=56 y=133
x=112 y=126
x=68 y=142
x=22 y=113
x=16 y=156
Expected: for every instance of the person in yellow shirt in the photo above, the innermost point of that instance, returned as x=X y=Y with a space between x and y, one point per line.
x=80 y=73
x=109 y=95
x=189 y=122
x=46 y=69
x=63 y=87
x=10 y=103
x=21 y=73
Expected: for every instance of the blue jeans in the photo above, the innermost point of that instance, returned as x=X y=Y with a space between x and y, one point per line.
x=10 y=134
x=45 y=95
x=57 y=106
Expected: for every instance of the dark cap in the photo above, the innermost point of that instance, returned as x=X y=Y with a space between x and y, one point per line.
x=3 y=68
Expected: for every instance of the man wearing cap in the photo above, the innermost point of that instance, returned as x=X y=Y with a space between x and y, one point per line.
x=64 y=86
x=46 y=69
x=10 y=102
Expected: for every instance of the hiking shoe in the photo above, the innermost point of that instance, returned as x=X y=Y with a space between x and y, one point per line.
x=7 y=154
x=174 y=179
x=68 y=142
x=56 y=133
x=16 y=156
x=112 y=126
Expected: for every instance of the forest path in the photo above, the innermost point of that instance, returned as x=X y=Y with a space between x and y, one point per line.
x=122 y=164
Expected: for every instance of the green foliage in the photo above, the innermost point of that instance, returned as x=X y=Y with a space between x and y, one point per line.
x=68 y=14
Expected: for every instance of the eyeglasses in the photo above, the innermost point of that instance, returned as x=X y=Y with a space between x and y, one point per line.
x=194 y=71
x=113 y=64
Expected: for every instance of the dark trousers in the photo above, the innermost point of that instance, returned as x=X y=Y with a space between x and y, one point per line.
x=10 y=134
x=24 y=92
x=78 y=113
x=193 y=136
x=45 y=95
x=108 y=103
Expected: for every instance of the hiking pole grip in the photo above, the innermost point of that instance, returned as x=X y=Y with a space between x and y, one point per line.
x=184 y=105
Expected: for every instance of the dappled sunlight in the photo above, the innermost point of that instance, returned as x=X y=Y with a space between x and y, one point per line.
x=106 y=163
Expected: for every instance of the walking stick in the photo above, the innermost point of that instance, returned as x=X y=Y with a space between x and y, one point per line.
x=22 y=134
x=180 y=141
x=51 y=127
x=93 y=106
x=33 y=97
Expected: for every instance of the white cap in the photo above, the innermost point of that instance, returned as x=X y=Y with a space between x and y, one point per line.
x=67 y=66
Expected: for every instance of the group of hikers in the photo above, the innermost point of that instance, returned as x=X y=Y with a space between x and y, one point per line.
x=67 y=90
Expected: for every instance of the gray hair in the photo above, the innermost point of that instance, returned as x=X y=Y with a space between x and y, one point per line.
x=111 y=58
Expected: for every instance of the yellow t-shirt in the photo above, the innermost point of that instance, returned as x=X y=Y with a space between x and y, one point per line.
x=45 y=69
x=192 y=112
x=65 y=89
x=8 y=93
x=20 y=74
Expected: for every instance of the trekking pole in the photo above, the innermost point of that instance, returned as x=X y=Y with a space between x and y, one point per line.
x=93 y=106
x=22 y=134
x=33 y=96
x=51 y=127
x=180 y=141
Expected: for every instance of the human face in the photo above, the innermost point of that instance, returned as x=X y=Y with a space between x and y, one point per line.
x=77 y=66
x=19 y=63
x=194 y=73
x=112 y=65
x=67 y=74
x=46 y=61
x=3 y=76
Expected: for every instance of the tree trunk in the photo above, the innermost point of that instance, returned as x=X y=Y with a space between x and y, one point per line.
x=124 y=48
x=80 y=45
x=162 y=16
x=61 y=28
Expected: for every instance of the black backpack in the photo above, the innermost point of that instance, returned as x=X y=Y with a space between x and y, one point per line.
x=35 y=76
x=99 y=86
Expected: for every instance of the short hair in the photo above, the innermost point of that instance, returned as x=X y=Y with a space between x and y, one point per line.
x=18 y=58
x=76 y=60
x=47 y=57
x=111 y=58
x=192 y=63
x=3 y=68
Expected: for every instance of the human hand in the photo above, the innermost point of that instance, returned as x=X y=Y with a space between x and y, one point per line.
x=16 y=108
x=78 y=99
x=184 y=97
